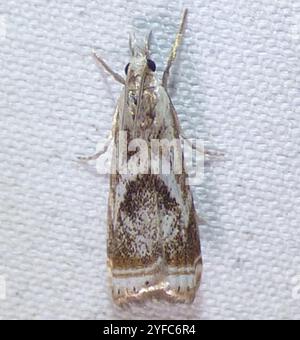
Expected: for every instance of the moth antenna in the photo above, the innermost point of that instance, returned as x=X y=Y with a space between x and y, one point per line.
x=175 y=47
x=130 y=44
x=147 y=43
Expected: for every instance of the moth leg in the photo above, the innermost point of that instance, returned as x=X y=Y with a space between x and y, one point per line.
x=210 y=154
x=109 y=139
x=214 y=154
x=101 y=62
x=98 y=154
x=201 y=220
x=174 y=49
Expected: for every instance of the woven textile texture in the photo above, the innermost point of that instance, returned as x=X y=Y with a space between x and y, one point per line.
x=235 y=85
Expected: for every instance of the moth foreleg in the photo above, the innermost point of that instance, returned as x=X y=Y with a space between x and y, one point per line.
x=101 y=62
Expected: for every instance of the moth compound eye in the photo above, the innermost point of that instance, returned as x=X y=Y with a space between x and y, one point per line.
x=151 y=65
x=126 y=68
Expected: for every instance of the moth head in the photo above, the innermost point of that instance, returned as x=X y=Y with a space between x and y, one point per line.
x=140 y=60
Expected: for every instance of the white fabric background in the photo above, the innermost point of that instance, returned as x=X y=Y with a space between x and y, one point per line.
x=235 y=84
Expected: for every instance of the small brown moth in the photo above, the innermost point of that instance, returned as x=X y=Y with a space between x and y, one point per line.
x=153 y=240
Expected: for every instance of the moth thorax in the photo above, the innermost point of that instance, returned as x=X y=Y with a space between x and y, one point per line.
x=142 y=110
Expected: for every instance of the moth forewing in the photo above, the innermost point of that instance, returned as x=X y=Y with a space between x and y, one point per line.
x=153 y=241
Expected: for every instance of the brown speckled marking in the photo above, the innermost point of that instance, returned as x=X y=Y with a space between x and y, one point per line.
x=146 y=197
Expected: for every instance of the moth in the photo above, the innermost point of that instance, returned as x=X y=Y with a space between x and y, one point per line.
x=153 y=243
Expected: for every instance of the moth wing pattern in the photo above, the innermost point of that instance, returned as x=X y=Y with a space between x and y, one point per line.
x=153 y=238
